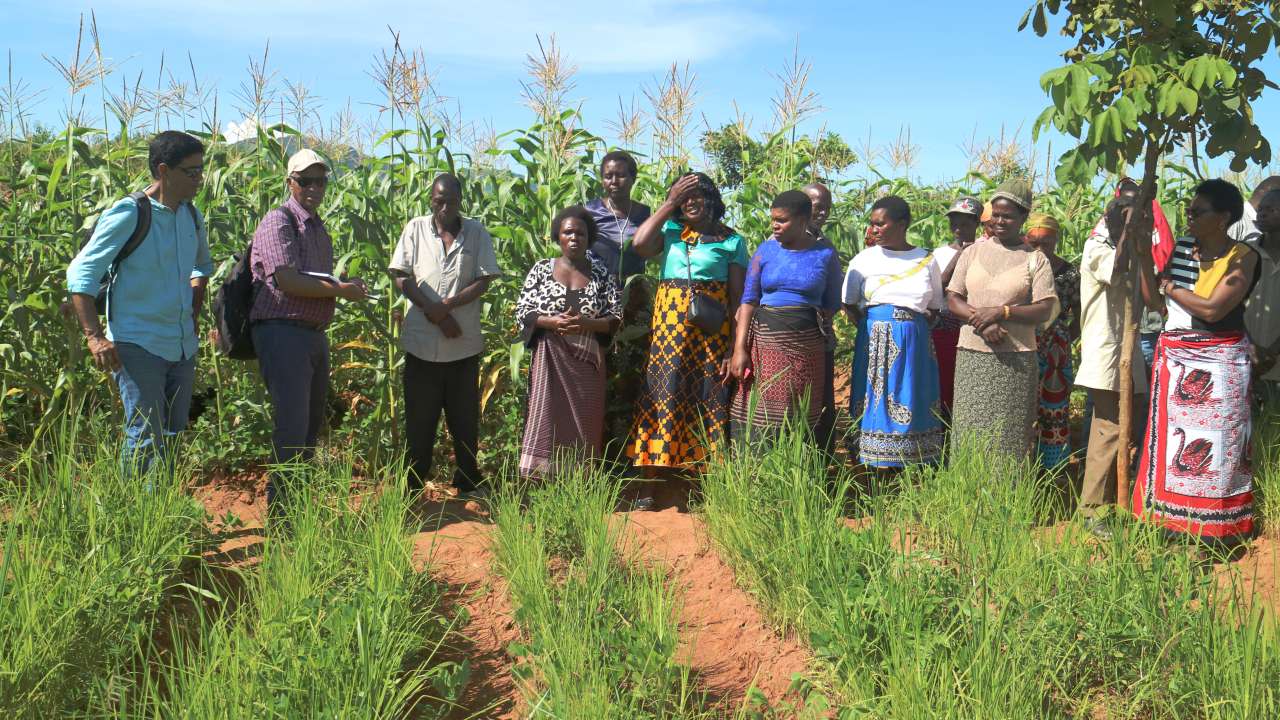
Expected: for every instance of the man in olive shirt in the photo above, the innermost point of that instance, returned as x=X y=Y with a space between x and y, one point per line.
x=443 y=264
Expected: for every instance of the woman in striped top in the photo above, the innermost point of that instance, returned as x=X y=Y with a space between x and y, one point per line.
x=1196 y=476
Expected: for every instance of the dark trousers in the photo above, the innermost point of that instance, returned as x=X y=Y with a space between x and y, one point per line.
x=294 y=362
x=451 y=387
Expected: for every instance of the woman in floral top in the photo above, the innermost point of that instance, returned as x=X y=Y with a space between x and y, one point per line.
x=1053 y=346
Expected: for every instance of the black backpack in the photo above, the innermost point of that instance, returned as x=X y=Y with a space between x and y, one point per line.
x=139 y=234
x=233 y=302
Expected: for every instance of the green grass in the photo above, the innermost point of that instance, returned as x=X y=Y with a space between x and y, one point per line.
x=89 y=557
x=599 y=627
x=958 y=599
x=338 y=623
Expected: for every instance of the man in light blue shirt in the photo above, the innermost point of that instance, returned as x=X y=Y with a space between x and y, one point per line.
x=150 y=341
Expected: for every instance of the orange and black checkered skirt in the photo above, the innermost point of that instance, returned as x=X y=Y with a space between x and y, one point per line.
x=683 y=413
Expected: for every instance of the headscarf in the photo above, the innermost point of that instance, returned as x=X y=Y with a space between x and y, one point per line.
x=1041 y=221
x=1016 y=191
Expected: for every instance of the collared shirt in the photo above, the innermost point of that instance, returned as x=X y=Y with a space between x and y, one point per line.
x=150 y=300
x=1246 y=229
x=1262 y=311
x=440 y=274
x=277 y=243
x=1102 y=321
x=615 y=232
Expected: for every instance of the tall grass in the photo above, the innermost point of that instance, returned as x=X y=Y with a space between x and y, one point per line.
x=88 y=558
x=959 y=598
x=600 y=627
x=337 y=622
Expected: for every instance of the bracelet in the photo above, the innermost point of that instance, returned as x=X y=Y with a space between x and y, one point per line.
x=1006 y=312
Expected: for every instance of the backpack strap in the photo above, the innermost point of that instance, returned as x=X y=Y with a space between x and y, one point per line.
x=140 y=230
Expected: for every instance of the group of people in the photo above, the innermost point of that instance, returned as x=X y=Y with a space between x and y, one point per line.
x=973 y=339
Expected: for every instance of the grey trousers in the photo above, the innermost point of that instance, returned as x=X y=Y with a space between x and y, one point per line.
x=294 y=362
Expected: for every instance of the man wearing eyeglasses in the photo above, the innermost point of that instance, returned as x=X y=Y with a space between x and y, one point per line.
x=292 y=261
x=149 y=342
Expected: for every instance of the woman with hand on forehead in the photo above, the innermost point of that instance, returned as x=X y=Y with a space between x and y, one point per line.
x=683 y=414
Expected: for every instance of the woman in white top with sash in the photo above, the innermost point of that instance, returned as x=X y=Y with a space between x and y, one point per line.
x=893 y=290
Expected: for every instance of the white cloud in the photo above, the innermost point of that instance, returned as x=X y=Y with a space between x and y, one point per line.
x=243 y=130
x=640 y=35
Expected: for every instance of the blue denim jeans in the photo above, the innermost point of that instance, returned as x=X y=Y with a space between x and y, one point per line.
x=156 y=394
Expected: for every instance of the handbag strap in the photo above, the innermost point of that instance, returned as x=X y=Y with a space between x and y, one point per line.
x=688 y=263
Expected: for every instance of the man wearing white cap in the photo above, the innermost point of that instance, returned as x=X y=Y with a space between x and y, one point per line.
x=292 y=261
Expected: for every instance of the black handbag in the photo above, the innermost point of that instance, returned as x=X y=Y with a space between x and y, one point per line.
x=706 y=313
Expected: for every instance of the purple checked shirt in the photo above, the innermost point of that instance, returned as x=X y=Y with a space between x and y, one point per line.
x=276 y=244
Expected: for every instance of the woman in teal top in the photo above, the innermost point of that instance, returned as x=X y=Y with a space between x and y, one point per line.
x=686 y=395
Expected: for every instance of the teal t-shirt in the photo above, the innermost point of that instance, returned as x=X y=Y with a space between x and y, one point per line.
x=708 y=260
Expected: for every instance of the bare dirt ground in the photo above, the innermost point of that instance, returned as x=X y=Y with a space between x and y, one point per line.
x=453 y=543
x=724 y=637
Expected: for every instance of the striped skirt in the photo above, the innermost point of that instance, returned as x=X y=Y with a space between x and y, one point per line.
x=1196 y=475
x=564 y=417
x=788 y=351
x=683 y=413
x=901 y=421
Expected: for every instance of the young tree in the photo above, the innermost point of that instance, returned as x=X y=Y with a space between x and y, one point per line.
x=1143 y=77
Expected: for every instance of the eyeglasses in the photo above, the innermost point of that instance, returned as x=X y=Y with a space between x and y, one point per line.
x=192 y=172
x=306 y=182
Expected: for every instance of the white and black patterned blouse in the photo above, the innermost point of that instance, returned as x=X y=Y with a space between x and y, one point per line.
x=542 y=295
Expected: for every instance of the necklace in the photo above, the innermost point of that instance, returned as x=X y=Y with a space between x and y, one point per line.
x=624 y=220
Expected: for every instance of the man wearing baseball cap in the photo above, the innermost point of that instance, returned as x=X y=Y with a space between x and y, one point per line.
x=964 y=215
x=292 y=261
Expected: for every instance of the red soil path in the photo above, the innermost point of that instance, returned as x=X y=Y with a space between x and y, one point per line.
x=455 y=546
x=724 y=638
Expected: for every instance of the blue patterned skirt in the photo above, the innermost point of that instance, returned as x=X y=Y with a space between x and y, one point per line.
x=901 y=403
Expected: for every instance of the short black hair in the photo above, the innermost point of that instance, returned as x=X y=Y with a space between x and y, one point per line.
x=1127 y=183
x=621 y=156
x=579 y=212
x=895 y=207
x=171 y=147
x=795 y=202
x=1223 y=197
x=1118 y=204
x=448 y=181
x=709 y=191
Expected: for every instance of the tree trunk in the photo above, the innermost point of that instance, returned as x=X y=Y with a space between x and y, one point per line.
x=1142 y=213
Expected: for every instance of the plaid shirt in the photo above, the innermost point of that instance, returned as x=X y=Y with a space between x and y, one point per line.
x=277 y=244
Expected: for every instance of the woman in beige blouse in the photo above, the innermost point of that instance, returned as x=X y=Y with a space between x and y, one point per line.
x=1002 y=290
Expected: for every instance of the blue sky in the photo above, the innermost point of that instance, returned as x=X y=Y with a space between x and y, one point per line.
x=947 y=74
